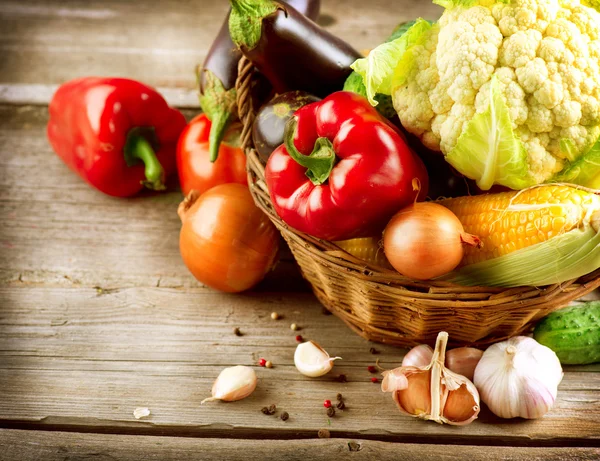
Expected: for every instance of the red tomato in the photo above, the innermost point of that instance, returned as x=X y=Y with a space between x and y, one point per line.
x=196 y=171
x=226 y=241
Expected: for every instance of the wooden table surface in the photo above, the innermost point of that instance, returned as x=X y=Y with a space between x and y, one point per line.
x=99 y=316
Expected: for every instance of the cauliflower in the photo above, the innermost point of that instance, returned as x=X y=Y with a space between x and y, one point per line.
x=509 y=91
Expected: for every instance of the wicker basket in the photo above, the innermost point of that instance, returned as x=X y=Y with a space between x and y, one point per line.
x=383 y=306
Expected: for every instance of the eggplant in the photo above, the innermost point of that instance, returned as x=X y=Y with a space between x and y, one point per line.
x=270 y=121
x=219 y=73
x=293 y=52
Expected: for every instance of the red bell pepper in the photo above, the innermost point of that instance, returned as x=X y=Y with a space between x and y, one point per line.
x=194 y=165
x=343 y=171
x=117 y=134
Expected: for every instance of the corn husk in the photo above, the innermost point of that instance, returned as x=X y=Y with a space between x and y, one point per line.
x=564 y=257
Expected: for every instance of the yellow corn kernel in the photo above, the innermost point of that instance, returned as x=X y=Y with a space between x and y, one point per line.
x=509 y=221
x=366 y=249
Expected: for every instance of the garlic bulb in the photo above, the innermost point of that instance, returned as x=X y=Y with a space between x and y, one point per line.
x=461 y=360
x=234 y=383
x=432 y=391
x=418 y=356
x=518 y=377
x=312 y=360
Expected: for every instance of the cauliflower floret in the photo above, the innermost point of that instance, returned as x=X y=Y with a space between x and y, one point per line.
x=546 y=57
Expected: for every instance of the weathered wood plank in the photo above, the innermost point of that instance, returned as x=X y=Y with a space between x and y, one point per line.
x=75 y=358
x=157 y=41
x=59 y=446
x=55 y=229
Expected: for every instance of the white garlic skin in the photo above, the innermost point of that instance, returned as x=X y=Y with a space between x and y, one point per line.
x=518 y=378
x=234 y=383
x=418 y=356
x=312 y=360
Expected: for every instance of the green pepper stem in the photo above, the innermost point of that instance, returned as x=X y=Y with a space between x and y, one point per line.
x=138 y=148
x=321 y=160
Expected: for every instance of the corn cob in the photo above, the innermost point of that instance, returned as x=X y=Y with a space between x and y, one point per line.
x=366 y=249
x=511 y=221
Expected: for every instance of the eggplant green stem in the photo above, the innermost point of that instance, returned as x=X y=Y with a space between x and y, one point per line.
x=219 y=106
x=321 y=160
x=139 y=149
x=219 y=123
x=245 y=21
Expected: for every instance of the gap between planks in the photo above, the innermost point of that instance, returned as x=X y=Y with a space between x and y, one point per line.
x=228 y=433
x=58 y=446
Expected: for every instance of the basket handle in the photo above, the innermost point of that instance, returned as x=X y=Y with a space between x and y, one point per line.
x=243 y=86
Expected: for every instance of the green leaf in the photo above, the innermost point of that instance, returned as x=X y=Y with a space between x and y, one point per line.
x=377 y=69
x=400 y=30
x=245 y=20
x=584 y=171
x=564 y=257
x=354 y=83
x=488 y=150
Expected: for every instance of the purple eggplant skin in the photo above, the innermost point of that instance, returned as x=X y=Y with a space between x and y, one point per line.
x=270 y=121
x=293 y=52
x=219 y=73
x=223 y=56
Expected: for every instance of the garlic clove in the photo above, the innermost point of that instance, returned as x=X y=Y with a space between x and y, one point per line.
x=416 y=398
x=393 y=380
x=234 y=383
x=518 y=378
x=462 y=405
x=463 y=360
x=312 y=360
x=418 y=356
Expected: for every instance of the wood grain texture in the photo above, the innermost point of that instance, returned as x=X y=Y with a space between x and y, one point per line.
x=55 y=229
x=75 y=358
x=157 y=41
x=98 y=315
x=61 y=446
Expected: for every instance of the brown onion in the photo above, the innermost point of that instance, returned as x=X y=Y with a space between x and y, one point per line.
x=226 y=241
x=425 y=240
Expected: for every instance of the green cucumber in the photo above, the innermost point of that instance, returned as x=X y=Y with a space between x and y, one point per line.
x=572 y=333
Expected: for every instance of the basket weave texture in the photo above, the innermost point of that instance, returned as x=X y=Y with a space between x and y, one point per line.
x=382 y=305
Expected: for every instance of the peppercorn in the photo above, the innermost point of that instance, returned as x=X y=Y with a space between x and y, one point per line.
x=269 y=364
x=341 y=405
x=284 y=416
x=323 y=434
x=331 y=412
x=299 y=338
x=237 y=332
x=341 y=379
x=262 y=362
x=374 y=380
x=339 y=397
x=372 y=369
x=327 y=403
x=270 y=410
x=373 y=351
x=275 y=316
